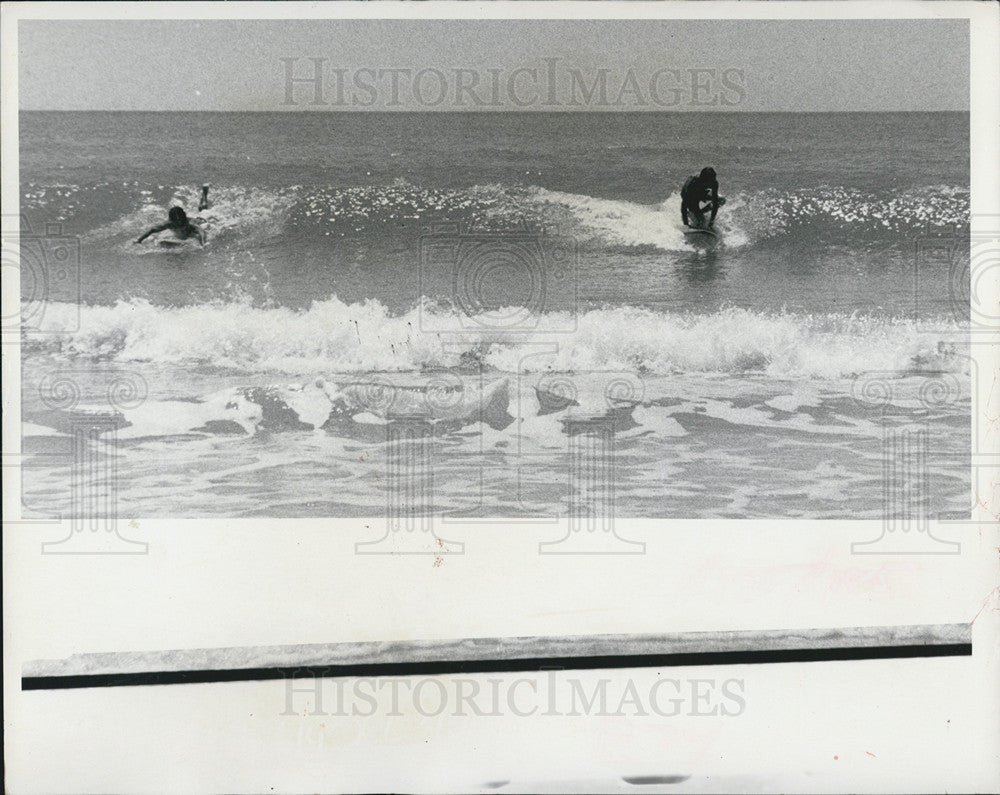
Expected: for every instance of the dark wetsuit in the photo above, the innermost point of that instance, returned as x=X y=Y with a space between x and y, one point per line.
x=695 y=192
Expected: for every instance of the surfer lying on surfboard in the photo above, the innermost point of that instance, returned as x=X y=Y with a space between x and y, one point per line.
x=179 y=225
x=700 y=190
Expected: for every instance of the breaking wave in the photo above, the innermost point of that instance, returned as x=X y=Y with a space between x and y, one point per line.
x=333 y=336
x=751 y=217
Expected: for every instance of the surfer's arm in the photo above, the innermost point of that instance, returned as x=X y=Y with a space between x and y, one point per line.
x=716 y=203
x=153 y=231
x=202 y=237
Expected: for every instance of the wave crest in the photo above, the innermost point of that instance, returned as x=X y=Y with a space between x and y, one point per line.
x=332 y=336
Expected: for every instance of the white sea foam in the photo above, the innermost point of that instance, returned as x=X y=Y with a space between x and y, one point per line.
x=751 y=217
x=250 y=212
x=622 y=222
x=332 y=336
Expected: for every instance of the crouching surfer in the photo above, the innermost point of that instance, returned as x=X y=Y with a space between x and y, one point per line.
x=700 y=194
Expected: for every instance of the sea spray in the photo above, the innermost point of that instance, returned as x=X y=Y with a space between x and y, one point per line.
x=334 y=336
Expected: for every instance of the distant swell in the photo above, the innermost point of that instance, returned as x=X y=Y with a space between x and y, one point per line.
x=331 y=336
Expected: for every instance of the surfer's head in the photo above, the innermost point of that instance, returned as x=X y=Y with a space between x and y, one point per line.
x=177 y=216
x=708 y=174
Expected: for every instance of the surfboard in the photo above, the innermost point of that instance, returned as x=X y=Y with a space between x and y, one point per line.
x=172 y=242
x=168 y=240
x=706 y=234
x=702 y=239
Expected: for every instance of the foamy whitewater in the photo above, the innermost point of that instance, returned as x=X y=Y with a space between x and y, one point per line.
x=333 y=337
x=513 y=286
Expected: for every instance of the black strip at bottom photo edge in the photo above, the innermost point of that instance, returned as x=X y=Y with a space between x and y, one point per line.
x=516 y=665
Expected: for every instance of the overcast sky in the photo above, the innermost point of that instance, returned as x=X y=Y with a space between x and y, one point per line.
x=236 y=65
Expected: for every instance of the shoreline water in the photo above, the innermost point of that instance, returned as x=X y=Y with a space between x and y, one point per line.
x=435 y=259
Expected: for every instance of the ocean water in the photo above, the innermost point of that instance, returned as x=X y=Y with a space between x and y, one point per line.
x=495 y=314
